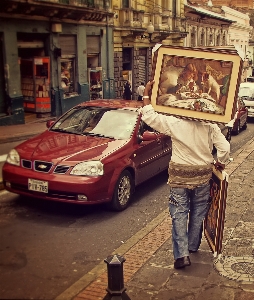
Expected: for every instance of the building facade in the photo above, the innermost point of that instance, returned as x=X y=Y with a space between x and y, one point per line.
x=138 y=27
x=229 y=3
x=219 y=26
x=54 y=55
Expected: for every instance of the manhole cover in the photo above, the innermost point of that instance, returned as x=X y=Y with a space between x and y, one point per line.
x=236 y=268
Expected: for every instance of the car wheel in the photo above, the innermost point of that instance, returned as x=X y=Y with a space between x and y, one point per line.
x=228 y=136
x=244 y=125
x=236 y=132
x=123 y=191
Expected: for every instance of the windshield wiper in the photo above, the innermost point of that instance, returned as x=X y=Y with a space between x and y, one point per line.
x=99 y=135
x=59 y=130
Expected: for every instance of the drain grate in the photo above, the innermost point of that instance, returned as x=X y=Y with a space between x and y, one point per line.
x=244 y=268
x=236 y=268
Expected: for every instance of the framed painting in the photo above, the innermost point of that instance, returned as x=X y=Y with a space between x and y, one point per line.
x=214 y=221
x=196 y=83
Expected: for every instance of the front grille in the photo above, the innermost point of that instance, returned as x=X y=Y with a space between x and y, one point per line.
x=61 y=169
x=42 y=166
x=26 y=164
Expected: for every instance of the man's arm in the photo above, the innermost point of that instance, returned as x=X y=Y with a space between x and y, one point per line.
x=147 y=93
x=222 y=146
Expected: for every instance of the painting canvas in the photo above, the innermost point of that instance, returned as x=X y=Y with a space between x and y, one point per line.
x=196 y=83
x=214 y=221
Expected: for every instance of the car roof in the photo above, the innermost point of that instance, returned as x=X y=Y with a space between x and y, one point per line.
x=113 y=103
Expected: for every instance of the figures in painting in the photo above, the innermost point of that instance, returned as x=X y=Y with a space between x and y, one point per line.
x=196 y=85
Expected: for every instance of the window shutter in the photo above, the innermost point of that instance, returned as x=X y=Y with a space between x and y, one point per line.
x=93 y=44
x=68 y=44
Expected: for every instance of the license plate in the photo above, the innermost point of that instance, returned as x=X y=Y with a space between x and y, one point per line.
x=37 y=185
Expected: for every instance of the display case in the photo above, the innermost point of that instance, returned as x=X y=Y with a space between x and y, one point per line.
x=95 y=82
x=35 y=84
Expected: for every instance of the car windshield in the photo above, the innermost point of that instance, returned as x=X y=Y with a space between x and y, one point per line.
x=245 y=92
x=98 y=121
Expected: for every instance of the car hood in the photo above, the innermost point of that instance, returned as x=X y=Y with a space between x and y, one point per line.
x=62 y=147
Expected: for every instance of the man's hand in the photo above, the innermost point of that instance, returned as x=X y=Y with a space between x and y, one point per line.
x=147 y=91
x=219 y=166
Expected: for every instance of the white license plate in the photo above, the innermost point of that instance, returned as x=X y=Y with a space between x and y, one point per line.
x=37 y=185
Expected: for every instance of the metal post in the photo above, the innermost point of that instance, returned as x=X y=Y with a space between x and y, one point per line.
x=115 y=289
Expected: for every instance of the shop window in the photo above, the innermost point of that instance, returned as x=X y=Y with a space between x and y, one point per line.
x=95 y=81
x=68 y=75
x=68 y=46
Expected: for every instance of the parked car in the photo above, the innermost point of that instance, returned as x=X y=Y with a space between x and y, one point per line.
x=98 y=151
x=240 y=121
x=246 y=93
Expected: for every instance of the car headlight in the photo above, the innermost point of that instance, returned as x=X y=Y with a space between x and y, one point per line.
x=88 y=168
x=13 y=158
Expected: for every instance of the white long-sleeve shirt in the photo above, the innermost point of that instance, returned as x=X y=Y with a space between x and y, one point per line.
x=192 y=141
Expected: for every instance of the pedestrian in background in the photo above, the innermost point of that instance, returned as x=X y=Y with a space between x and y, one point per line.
x=140 y=91
x=127 y=91
x=190 y=170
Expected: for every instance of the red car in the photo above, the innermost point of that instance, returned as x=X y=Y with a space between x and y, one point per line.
x=96 y=152
x=241 y=117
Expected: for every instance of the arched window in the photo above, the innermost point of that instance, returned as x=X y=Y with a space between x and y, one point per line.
x=202 y=38
x=218 y=40
x=224 y=40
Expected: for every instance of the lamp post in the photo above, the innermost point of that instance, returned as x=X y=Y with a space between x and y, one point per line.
x=150 y=31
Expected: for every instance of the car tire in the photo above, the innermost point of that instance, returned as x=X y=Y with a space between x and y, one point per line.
x=236 y=132
x=244 y=125
x=123 y=191
x=228 y=136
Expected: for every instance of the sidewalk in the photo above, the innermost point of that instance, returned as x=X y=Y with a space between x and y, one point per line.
x=32 y=127
x=148 y=266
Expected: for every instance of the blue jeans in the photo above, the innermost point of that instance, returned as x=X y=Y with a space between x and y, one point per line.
x=188 y=208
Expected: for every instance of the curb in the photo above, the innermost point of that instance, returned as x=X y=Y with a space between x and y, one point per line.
x=1 y=184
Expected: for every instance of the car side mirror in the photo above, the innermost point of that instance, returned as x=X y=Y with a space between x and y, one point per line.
x=50 y=123
x=149 y=136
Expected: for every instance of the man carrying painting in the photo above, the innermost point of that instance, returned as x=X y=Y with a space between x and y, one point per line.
x=190 y=171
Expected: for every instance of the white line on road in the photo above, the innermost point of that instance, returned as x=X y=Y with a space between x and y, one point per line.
x=3 y=157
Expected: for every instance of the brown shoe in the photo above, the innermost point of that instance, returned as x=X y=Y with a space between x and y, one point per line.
x=182 y=262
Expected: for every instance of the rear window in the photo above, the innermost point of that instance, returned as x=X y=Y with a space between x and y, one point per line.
x=245 y=92
x=250 y=79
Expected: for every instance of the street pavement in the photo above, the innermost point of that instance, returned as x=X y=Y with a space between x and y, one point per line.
x=148 y=272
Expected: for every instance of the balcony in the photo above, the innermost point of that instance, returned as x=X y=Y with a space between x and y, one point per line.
x=77 y=11
x=100 y=4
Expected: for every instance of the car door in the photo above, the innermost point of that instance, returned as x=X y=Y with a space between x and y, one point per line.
x=242 y=112
x=150 y=157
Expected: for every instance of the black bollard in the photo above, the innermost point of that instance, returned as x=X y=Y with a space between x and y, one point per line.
x=115 y=289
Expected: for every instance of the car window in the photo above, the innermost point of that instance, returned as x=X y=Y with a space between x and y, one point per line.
x=250 y=79
x=108 y=122
x=246 y=92
x=118 y=124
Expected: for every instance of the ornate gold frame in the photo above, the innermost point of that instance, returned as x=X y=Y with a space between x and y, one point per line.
x=214 y=73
